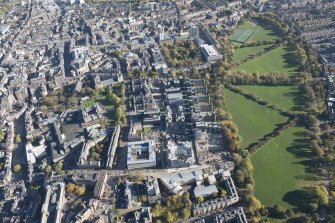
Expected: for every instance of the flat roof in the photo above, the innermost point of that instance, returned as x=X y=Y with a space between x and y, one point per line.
x=210 y=50
x=141 y=152
x=205 y=190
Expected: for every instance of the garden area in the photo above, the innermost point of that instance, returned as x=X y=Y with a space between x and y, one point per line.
x=182 y=53
x=111 y=97
x=175 y=207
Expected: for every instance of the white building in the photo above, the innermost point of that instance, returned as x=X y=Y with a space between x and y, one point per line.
x=210 y=53
x=141 y=154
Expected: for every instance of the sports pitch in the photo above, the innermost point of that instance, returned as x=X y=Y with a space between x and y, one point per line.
x=242 y=35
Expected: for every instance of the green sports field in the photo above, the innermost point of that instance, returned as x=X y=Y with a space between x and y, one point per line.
x=285 y=97
x=280 y=168
x=251 y=32
x=280 y=60
x=253 y=120
x=245 y=52
x=242 y=35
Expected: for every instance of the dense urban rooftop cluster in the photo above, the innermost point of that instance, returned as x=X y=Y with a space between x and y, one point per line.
x=98 y=125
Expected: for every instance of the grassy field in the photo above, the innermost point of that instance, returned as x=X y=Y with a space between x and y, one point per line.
x=260 y=32
x=285 y=97
x=281 y=59
x=252 y=119
x=245 y=52
x=280 y=168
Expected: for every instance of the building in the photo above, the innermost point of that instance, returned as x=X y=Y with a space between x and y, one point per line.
x=112 y=147
x=153 y=190
x=174 y=182
x=205 y=191
x=100 y=185
x=141 y=154
x=180 y=154
x=53 y=204
x=159 y=62
x=236 y=214
x=130 y=195
x=210 y=53
x=193 y=31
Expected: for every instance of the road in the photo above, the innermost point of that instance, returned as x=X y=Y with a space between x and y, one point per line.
x=156 y=173
x=18 y=153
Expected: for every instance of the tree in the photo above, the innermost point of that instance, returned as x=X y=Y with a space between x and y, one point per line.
x=200 y=199
x=316 y=149
x=118 y=215
x=289 y=212
x=17 y=139
x=59 y=167
x=169 y=217
x=214 y=195
x=312 y=207
x=264 y=211
x=248 y=165
x=311 y=118
x=249 y=188
x=154 y=74
x=143 y=74
x=144 y=199
x=302 y=219
x=278 y=211
x=240 y=176
x=70 y=187
x=113 y=200
x=80 y=190
x=48 y=169
x=186 y=213
x=2 y=134
x=223 y=193
x=237 y=158
x=72 y=101
x=322 y=194
x=44 y=108
x=332 y=193
x=207 y=77
x=156 y=210
x=329 y=158
x=173 y=74
x=115 y=99
x=254 y=204
x=17 y=168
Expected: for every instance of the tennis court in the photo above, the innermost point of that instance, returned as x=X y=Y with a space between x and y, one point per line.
x=242 y=35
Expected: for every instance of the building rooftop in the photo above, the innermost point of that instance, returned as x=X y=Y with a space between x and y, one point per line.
x=141 y=152
x=205 y=191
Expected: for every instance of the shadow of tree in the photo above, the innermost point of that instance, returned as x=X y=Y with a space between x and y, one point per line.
x=297 y=198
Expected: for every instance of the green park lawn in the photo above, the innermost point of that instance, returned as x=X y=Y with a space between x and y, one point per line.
x=280 y=168
x=245 y=52
x=253 y=120
x=281 y=59
x=285 y=97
